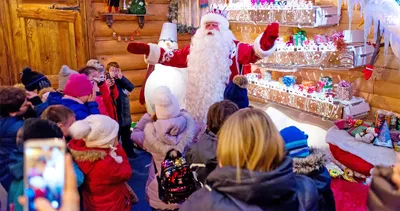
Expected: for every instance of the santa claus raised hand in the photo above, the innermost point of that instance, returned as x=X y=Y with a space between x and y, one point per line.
x=212 y=59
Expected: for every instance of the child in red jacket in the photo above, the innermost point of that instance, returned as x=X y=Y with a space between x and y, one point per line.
x=103 y=98
x=103 y=162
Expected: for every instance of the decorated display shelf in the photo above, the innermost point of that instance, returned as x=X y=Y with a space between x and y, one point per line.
x=290 y=13
x=110 y=17
x=290 y=57
x=321 y=104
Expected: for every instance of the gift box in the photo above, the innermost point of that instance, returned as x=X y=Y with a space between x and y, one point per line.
x=267 y=76
x=383 y=139
x=344 y=91
x=395 y=136
x=360 y=128
x=325 y=84
x=353 y=36
x=356 y=108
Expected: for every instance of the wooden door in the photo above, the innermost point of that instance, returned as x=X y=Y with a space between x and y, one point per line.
x=44 y=38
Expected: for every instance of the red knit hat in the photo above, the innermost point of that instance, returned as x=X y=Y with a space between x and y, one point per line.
x=78 y=85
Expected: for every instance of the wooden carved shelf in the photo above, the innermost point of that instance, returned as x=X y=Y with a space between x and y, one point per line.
x=110 y=17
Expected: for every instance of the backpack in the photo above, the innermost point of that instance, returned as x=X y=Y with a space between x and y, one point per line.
x=176 y=181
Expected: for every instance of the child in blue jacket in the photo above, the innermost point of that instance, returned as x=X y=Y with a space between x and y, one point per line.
x=79 y=96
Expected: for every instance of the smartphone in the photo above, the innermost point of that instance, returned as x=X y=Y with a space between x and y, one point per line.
x=108 y=76
x=44 y=171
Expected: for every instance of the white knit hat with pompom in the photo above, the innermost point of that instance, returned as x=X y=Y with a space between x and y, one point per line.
x=165 y=103
x=98 y=131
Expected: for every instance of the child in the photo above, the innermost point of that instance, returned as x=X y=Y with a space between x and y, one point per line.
x=32 y=129
x=124 y=87
x=309 y=162
x=63 y=76
x=34 y=82
x=205 y=150
x=103 y=98
x=95 y=149
x=78 y=96
x=62 y=116
x=236 y=91
x=13 y=106
x=253 y=172
x=170 y=128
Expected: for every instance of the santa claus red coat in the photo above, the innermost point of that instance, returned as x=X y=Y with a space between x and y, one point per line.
x=198 y=96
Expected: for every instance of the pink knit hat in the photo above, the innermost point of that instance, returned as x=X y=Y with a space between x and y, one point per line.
x=78 y=85
x=165 y=103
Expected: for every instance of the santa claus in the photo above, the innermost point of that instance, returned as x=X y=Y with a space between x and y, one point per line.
x=160 y=75
x=212 y=59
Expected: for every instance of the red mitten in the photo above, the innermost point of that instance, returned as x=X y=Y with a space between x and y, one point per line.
x=368 y=71
x=269 y=36
x=139 y=48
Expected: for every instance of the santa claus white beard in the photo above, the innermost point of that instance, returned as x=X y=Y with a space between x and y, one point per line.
x=208 y=71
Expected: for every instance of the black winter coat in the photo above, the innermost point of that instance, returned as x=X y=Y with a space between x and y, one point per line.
x=313 y=166
x=204 y=152
x=280 y=189
x=123 y=103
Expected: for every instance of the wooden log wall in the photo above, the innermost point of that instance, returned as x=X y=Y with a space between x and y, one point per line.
x=381 y=94
x=107 y=49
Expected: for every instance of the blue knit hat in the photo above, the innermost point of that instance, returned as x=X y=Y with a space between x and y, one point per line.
x=296 y=141
x=236 y=91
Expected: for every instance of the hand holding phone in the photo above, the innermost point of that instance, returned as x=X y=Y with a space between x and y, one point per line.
x=70 y=199
x=44 y=171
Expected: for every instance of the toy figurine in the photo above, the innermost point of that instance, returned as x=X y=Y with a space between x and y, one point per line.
x=113 y=3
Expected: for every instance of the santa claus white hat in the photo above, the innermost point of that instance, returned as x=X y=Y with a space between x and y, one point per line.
x=216 y=15
x=169 y=32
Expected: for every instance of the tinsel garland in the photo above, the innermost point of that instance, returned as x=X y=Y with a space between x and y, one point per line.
x=173 y=11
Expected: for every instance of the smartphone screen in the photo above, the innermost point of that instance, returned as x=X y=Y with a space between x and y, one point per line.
x=44 y=172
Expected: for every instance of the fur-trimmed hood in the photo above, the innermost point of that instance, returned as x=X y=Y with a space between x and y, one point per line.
x=81 y=153
x=175 y=133
x=310 y=164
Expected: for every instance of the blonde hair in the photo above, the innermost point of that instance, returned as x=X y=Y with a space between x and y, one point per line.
x=250 y=140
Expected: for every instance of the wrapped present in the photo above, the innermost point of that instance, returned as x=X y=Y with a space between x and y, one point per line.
x=353 y=36
x=383 y=138
x=393 y=122
x=325 y=84
x=267 y=76
x=344 y=91
x=289 y=80
x=299 y=37
x=360 y=128
x=395 y=136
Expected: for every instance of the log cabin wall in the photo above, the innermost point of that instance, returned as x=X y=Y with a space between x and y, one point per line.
x=381 y=94
x=106 y=49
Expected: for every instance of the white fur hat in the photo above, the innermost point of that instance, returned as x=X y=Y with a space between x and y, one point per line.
x=95 y=63
x=165 y=103
x=98 y=131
